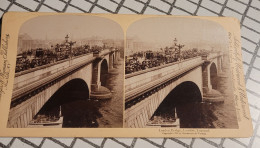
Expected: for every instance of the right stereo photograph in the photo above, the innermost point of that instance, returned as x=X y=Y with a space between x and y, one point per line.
x=177 y=75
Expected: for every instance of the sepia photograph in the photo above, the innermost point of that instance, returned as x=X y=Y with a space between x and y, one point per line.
x=69 y=73
x=177 y=75
x=112 y=75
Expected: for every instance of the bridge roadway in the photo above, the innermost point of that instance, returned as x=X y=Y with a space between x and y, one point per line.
x=146 y=90
x=34 y=87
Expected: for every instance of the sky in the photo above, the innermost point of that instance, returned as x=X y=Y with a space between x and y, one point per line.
x=187 y=30
x=162 y=31
x=78 y=27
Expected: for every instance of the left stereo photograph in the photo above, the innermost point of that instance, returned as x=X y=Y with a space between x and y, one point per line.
x=69 y=73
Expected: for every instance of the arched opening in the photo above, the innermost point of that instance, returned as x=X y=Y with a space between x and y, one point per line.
x=104 y=73
x=221 y=63
x=113 y=58
x=72 y=100
x=184 y=99
x=213 y=76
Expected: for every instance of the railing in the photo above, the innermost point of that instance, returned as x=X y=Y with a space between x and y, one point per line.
x=143 y=81
x=102 y=53
x=30 y=76
x=44 y=71
x=211 y=56
x=33 y=79
x=57 y=73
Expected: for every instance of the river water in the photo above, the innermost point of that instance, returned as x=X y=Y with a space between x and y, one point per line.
x=202 y=114
x=112 y=109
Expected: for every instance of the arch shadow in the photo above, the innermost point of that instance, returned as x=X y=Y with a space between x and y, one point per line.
x=184 y=98
x=113 y=58
x=104 y=73
x=213 y=75
x=73 y=101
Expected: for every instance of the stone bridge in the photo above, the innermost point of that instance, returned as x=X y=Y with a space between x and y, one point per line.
x=34 y=87
x=151 y=91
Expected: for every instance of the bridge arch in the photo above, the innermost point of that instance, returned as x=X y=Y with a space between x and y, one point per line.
x=221 y=62
x=113 y=58
x=71 y=99
x=184 y=98
x=104 y=72
x=213 y=75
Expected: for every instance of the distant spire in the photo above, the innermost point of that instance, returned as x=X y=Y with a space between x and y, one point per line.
x=175 y=42
x=67 y=38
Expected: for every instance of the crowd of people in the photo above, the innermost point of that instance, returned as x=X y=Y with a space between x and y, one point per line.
x=38 y=57
x=148 y=59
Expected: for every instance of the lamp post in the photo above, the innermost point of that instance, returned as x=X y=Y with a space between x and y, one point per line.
x=177 y=47
x=180 y=47
x=70 y=46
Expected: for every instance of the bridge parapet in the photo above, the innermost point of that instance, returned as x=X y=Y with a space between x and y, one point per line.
x=211 y=56
x=140 y=82
x=102 y=53
x=34 y=79
x=47 y=70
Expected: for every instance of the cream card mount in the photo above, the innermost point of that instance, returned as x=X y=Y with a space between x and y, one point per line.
x=111 y=75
